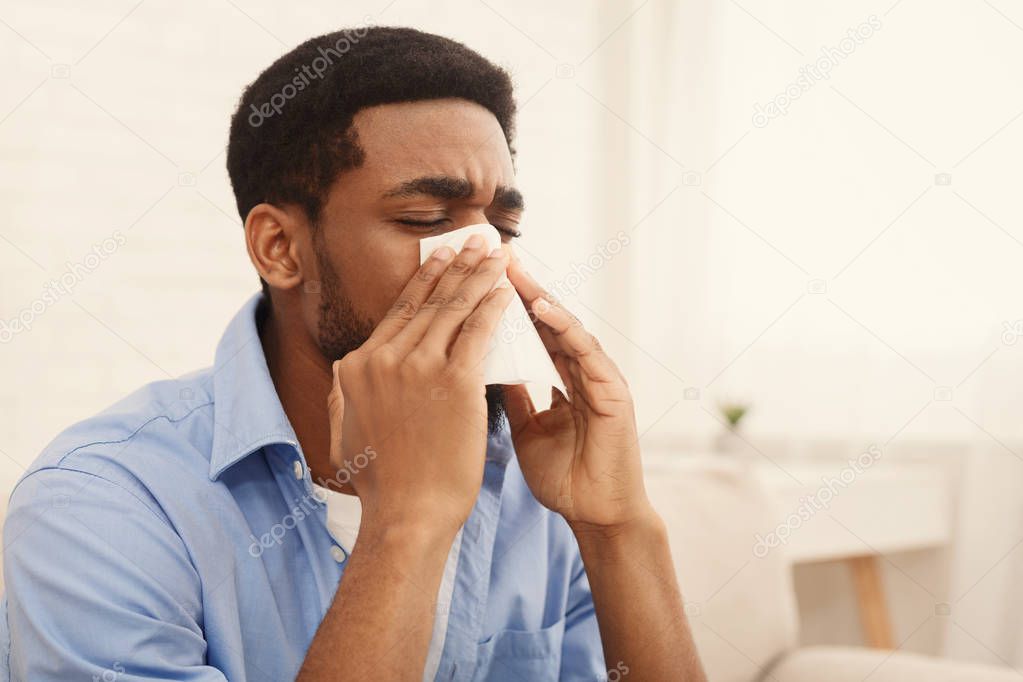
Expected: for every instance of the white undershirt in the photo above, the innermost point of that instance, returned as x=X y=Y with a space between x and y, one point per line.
x=344 y=515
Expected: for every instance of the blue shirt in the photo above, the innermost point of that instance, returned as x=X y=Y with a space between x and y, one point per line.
x=176 y=536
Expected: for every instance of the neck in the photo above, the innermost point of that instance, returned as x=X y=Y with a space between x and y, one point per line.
x=302 y=378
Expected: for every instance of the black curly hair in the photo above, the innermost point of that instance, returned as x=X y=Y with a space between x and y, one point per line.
x=291 y=135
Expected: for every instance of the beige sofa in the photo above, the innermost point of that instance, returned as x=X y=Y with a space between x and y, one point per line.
x=742 y=608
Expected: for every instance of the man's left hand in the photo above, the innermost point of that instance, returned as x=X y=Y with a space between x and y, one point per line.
x=581 y=457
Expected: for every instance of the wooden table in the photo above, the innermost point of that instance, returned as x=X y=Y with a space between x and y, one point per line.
x=885 y=509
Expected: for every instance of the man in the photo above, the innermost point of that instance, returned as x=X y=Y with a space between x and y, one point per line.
x=179 y=536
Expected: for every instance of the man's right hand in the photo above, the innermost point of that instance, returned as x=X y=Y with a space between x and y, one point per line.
x=412 y=401
x=412 y=397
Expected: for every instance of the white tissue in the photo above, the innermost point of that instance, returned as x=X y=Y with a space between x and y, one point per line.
x=517 y=354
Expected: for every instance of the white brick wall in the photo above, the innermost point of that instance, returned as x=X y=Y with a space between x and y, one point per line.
x=114 y=119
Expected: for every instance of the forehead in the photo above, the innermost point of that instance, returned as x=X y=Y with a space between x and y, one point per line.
x=446 y=137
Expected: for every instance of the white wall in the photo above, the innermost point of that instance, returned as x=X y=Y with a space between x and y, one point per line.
x=113 y=124
x=636 y=116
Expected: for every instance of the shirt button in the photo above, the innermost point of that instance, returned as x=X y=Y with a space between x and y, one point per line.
x=338 y=554
x=299 y=471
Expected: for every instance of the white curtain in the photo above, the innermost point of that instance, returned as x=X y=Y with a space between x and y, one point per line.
x=849 y=267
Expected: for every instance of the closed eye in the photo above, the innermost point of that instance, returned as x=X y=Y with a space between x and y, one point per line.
x=508 y=231
x=430 y=224
x=421 y=223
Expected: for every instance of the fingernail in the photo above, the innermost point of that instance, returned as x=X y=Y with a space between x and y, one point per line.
x=444 y=253
x=540 y=306
x=475 y=241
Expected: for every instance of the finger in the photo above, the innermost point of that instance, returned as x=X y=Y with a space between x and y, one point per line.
x=336 y=412
x=601 y=397
x=411 y=299
x=579 y=394
x=574 y=340
x=550 y=339
x=524 y=283
x=561 y=365
x=473 y=341
x=463 y=266
x=518 y=406
x=582 y=388
x=557 y=398
x=558 y=357
x=450 y=319
x=532 y=293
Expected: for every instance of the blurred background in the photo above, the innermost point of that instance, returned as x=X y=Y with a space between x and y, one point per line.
x=792 y=224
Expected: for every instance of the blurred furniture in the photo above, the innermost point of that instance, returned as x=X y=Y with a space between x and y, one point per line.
x=742 y=606
x=897 y=509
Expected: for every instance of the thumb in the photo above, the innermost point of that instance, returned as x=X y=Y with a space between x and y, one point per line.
x=336 y=412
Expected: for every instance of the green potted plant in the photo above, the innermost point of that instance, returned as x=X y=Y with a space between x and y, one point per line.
x=729 y=441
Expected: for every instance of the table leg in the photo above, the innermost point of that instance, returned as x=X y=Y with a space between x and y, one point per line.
x=877 y=628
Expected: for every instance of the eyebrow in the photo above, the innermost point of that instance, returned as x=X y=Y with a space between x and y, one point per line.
x=447 y=187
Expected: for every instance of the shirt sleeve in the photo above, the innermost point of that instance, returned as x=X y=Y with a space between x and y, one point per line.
x=98 y=585
x=582 y=654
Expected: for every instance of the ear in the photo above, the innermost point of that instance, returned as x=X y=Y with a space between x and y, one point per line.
x=271 y=236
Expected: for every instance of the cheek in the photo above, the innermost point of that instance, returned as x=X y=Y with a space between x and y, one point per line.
x=388 y=287
x=380 y=275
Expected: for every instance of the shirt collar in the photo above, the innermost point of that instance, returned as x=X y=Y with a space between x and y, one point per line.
x=247 y=414
x=499 y=445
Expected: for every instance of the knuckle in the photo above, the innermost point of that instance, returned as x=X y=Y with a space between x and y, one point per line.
x=438 y=300
x=486 y=278
x=454 y=376
x=351 y=362
x=404 y=308
x=490 y=266
x=384 y=359
x=573 y=322
x=352 y=372
x=460 y=301
x=419 y=362
x=475 y=323
x=461 y=267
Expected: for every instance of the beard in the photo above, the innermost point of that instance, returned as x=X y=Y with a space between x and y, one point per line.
x=341 y=329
